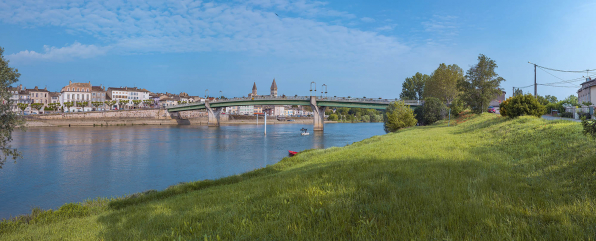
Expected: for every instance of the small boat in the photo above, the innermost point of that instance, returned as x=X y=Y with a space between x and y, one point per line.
x=304 y=133
x=292 y=153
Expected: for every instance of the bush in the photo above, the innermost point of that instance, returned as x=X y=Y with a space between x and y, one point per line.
x=457 y=106
x=566 y=115
x=419 y=115
x=521 y=105
x=333 y=117
x=433 y=110
x=585 y=115
x=397 y=116
x=555 y=106
x=589 y=128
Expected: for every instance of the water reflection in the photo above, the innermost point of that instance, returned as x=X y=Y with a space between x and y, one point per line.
x=73 y=164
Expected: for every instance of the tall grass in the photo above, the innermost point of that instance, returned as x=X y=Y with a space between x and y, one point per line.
x=487 y=177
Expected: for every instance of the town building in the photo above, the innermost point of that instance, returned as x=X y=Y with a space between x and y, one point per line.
x=587 y=93
x=258 y=109
x=76 y=92
x=500 y=98
x=232 y=110
x=246 y=110
x=254 y=90
x=55 y=97
x=98 y=93
x=39 y=95
x=278 y=110
x=14 y=98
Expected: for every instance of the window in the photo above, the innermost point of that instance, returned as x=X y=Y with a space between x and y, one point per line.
x=68 y=88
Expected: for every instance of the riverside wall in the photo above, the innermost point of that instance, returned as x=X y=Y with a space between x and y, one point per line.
x=146 y=117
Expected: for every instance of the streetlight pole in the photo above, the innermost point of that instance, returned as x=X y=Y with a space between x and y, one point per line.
x=220 y=95
x=206 y=93
x=324 y=85
x=311 y=83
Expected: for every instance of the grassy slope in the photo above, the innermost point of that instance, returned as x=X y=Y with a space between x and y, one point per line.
x=487 y=178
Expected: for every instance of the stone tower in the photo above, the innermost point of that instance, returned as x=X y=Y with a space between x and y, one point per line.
x=254 y=89
x=273 y=89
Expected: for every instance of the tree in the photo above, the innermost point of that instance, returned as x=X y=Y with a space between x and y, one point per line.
x=68 y=105
x=587 y=103
x=148 y=103
x=110 y=103
x=333 y=117
x=481 y=84
x=413 y=87
x=398 y=115
x=122 y=103
x=97 y=104
x=22 y=106
x=54 y=106
x=517 y=92
x=9 y=120
x=443 y=83
x=433 y=110
x=37 y=106
x=571 y=100
x=551 y=98
x=136 y=102
x=542 y=100
x=521 y=105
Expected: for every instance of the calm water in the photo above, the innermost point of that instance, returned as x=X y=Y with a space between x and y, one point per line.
x=63 y=165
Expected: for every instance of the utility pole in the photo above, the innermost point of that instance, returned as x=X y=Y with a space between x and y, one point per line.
x=513 y=92
x=535 y=85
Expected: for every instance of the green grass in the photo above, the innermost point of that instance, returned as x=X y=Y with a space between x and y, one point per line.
x=486 y=178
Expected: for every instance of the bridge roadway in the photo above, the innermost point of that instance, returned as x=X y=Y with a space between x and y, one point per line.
x=318 y=105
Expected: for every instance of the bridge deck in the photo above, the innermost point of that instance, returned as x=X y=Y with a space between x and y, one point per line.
x=296 y=100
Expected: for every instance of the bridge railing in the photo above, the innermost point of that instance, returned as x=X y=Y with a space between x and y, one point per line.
x=307 y=98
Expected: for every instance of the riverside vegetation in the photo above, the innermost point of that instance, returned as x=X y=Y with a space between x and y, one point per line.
x=484 y=177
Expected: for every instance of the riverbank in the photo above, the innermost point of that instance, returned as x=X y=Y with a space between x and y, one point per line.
x=487 y=177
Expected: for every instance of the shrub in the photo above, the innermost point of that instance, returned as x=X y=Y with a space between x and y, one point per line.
x=555 y=106
x=566 y=115
x=433 y=110
x=333 y=117
x=589 y=128
x=397 y=116
x=419 y=115
x=457 y=106
x=521 y=105
x=585 y=115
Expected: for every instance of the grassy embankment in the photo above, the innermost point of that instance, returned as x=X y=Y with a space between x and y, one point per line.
x=486 y=178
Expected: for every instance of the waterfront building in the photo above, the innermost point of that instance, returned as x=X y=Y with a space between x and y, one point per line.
x=254 y=90
x=76 y=92
x=14 y=98
x=258 y=109
x=98 y=93
x=39 y=95
x=246 y=110
x=233 y=110
x=278 y=110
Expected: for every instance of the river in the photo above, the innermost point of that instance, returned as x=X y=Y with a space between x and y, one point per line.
x=62 y=165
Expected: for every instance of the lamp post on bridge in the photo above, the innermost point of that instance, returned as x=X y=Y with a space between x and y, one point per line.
x=206 y=93
x=220 y=95
x=324 y=85
x=311 y=88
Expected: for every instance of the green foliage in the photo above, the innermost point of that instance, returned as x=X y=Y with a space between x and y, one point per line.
x=69 y=104
x=37 y=106
x=413 y=87
x=22 y=106
x=555 y=106
x=457 y=106
x=148 y=102
x=571 y=100
x=518 y=91
x=589 y=127
x=442 y=84
x=97 y=103
x=566 y=114
x=587 y=103
x=521 y=105
x=332 y=117
x=53 y=106
x=8 y=119
x=551 y=98
x=481 y=84
x=397 y=116
x=433 y=110
x=542 y=100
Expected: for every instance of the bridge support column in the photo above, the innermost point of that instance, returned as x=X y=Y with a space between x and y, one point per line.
x=319 y=115
x=213 y=115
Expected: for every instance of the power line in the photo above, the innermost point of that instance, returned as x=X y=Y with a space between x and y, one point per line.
x=568 y=71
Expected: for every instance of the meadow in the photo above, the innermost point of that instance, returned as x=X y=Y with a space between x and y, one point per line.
x=484 y=177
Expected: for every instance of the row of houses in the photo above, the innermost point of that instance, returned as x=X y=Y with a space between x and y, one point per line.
x=82 y=97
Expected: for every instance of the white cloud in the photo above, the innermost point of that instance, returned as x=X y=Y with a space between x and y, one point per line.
x=195 y=26
x=444 y=28
x=367 y=20
x=76 y=50
x=386 y=28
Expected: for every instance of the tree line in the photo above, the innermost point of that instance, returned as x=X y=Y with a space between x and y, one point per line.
x=446 y=89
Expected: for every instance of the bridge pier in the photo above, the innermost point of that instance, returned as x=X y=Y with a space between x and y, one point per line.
x=213 y=115
x=318 y=115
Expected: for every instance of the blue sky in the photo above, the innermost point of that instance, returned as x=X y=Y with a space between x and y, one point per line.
x=357 y=48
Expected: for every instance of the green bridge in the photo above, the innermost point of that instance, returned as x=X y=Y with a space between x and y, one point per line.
x=318 y=105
